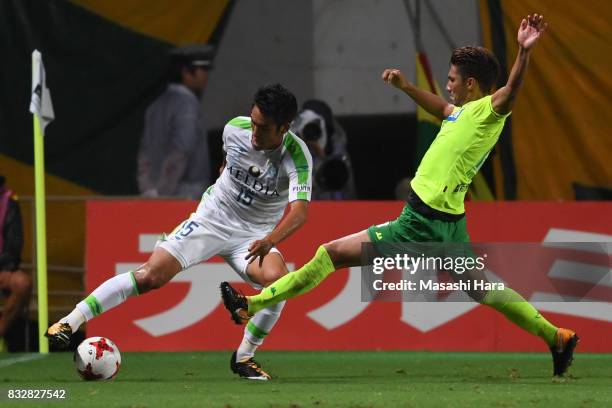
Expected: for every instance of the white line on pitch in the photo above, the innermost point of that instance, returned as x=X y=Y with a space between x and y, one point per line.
x=21 y=359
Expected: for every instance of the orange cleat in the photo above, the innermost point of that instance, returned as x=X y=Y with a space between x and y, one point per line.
x=563 y=351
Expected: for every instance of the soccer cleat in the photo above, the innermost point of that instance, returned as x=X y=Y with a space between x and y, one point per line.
x=563 y=351
x=59 y=335
x=235 y=302
x=248 y=369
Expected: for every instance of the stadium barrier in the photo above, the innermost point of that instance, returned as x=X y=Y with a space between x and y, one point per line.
x=187 y=314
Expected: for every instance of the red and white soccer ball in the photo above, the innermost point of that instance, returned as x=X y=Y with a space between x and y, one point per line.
x=97 y=358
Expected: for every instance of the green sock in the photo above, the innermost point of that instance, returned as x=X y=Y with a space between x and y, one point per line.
x=522 y=313
x=294 y=283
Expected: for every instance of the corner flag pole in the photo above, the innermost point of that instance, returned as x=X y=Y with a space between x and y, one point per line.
x=42 y=108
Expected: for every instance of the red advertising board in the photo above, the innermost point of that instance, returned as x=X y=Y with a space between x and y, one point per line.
x=187 y=313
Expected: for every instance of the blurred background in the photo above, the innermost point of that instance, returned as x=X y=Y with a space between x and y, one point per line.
x=108 y=61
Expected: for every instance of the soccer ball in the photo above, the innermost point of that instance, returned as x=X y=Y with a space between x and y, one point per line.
x=97 y=358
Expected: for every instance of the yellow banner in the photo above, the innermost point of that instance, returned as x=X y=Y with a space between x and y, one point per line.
x=177 y=22
x=561 y=129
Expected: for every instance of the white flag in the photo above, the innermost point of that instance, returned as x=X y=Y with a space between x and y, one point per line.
x=40 y=104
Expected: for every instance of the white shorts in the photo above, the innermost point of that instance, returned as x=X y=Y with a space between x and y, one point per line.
x=198 y=239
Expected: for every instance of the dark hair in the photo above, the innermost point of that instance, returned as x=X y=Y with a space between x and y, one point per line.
x=175 y=72
x=277 y=102
x=478 y=63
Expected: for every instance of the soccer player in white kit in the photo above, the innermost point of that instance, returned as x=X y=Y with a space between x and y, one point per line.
x=239 y=218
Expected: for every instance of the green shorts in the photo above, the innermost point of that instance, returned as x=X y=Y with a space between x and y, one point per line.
x=411 y=226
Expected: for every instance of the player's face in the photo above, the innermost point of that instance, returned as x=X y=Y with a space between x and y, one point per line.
x=267 y=135
x=456 y=87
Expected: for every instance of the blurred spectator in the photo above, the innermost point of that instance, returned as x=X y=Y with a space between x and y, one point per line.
x=174 y=159
x=16 y=285
x=332 y=171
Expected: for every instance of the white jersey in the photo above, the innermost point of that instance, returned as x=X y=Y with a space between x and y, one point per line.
x=254 y=188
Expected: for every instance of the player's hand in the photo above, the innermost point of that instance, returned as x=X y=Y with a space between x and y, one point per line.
x=530 y=30
x=259 y=249
x=395 y=77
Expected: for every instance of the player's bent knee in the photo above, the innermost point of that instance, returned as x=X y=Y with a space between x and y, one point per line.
x=337 y=252
x=148 y=279
x=273 y=275
x=333 y=250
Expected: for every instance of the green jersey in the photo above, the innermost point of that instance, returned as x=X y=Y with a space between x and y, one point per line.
x=465 y=140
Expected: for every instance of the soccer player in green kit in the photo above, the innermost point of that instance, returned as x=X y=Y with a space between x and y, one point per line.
x=434 y=212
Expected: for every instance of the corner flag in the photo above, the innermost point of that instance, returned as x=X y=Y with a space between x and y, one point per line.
x=41 y=104
x=42 y=108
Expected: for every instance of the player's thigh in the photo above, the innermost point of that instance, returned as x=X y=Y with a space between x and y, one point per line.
x=161 y=267
x=346 y=251
x=194 y=241
x=273 y=268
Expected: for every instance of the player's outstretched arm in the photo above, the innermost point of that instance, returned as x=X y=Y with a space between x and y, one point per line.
x=432 y=103
x=529 y=32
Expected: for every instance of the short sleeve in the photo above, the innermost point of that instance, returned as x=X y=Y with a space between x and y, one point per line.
x=483 y=111
x=298 y=165
x=240 y=122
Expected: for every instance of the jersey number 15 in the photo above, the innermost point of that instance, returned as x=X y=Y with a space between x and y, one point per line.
x=245 y=196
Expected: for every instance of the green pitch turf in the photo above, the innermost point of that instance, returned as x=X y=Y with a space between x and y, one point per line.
x=319 y=379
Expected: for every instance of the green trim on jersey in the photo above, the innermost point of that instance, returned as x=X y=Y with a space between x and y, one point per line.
x=299 y=160
x=464 y=142
x=209 y=190
x=241 y=122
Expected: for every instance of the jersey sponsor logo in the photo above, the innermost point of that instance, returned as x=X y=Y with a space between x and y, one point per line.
x=455 y=115
x=301 y=189
x=252 y=183
x=254 y=171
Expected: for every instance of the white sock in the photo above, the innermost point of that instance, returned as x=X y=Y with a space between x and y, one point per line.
x=111 y=293
x=246 y=350
x=257 y=329
x=75 y=319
